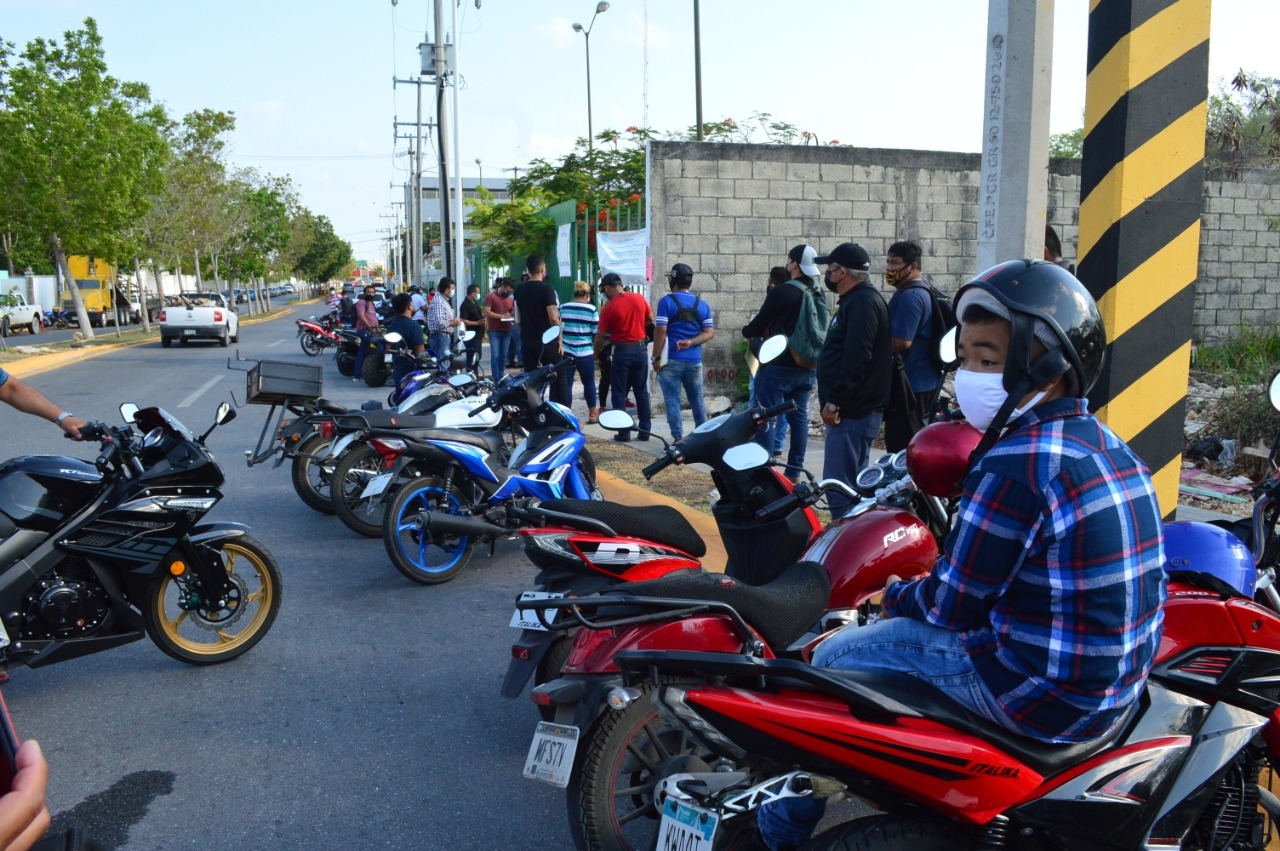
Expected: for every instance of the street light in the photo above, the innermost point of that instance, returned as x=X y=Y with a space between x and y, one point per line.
x=481 y=167
x=600 y=7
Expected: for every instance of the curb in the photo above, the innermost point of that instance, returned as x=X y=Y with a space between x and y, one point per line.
x=615 y=489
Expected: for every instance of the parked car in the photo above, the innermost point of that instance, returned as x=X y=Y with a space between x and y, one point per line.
x=16 y=314
x=198 y=316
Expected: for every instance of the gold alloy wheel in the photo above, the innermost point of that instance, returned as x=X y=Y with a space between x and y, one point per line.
x=249 y=572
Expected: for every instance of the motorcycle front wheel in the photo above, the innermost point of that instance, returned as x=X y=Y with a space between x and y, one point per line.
x=346 y=362
x=428 y=558
x=312 y=473
x=192 y=629
x=358 y=467
x=374 y=370
x=890 y=833
x=310 y=345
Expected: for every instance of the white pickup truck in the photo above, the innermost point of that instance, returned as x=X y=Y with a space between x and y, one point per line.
x=198 y=316
x=15 y=313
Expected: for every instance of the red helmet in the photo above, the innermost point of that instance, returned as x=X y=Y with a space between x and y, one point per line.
x=938 y=457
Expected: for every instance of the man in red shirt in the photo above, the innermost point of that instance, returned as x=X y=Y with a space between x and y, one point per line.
x=622 y=322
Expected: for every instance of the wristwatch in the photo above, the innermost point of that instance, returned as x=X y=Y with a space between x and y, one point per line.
x=832 y=408
x=62 y=416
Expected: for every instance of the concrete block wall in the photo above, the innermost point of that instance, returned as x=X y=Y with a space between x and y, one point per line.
x=732 y=211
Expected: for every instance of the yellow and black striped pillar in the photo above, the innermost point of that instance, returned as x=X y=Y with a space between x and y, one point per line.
x=1141 y=193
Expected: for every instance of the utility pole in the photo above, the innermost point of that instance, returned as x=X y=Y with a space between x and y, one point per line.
x=459 y=252
x=413 y=213
x=391 y=248
x=435 y=63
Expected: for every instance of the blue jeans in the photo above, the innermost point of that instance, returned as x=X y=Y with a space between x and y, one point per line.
x=585 y=367
x=364 y=334
x=671 y=378
x=774 y=385
x=499 y=348
x=630 y=372
x=440 y=344
x=929 y=653
x=848 y=445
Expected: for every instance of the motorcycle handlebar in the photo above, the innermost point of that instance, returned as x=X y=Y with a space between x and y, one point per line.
x=782 y=505
x=773 y=411
x=657 y=466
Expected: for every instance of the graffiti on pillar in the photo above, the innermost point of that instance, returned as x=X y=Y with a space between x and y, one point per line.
x=722 y=374
x=991 y=143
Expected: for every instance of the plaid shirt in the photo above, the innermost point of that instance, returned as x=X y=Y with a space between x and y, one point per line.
x=439 y=314
x=1054 y=574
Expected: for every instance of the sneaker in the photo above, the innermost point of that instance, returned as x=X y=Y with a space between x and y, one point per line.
x=643 y=437
x=624 y=438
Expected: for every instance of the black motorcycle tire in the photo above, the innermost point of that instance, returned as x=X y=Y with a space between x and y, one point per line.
x=309 y=480
x=621 y=749
x=346 y=362
x=426 y=492
x=550 y=666
x=310 y=345
x=356 y=467
x=890 y=833
x=165 y=620
x=374 y=370
x=588 y=470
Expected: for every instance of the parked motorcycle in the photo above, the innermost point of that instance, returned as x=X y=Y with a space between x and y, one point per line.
x=344 y=354
x=97 y=555
x=316 y=335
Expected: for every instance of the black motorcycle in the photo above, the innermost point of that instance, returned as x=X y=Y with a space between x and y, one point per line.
x=92 y=556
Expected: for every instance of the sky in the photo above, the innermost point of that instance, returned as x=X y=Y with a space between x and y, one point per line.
x=310 y=81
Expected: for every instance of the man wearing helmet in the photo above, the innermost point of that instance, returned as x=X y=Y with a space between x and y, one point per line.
x=1044 y=611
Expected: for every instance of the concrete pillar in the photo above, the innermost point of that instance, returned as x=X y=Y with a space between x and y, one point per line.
x=1013 y=192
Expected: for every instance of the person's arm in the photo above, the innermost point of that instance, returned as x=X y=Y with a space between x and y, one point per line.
x=489 y=313
x=24 y=816
x=602 y=333
x=771 y=308
x=908 y=316
x=22 y=396
x=659 y=343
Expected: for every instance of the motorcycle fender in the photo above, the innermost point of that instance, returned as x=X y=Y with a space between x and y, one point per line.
x=208 y=533
x=535 y=643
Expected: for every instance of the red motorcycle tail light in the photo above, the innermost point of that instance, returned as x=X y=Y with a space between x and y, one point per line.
x=539 y=699
x=325 y=429
x=519 y=652
x=389 y=448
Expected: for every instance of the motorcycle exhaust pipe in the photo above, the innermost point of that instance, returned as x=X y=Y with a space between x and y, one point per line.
x=455 y=524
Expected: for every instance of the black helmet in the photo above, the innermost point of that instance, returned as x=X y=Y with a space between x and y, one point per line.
x=1046 y=302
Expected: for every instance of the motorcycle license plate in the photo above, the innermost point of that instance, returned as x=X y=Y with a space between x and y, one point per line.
x=376 y=485
x=551 y=754
x=528 y=618
x=386 y=358
x=685 y=826
x=339 y=446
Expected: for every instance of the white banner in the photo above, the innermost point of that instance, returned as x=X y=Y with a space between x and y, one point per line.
x=626 y=253
x=563 y=253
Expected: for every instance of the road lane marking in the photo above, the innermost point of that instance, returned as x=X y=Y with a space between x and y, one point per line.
x=276 y=343
x=186 y=403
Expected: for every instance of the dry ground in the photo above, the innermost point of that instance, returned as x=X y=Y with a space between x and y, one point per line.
x=625 y=461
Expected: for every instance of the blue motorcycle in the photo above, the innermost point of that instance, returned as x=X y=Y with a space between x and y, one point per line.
x=434 y=523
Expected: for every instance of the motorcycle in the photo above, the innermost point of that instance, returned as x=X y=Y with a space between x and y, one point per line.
x=99 y=555
x=316 y=335
x=344 y=354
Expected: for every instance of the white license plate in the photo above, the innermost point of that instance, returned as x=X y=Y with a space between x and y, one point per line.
x=340 y=446
x=551 y=754
x=376 y=485
x=190 y=332
x=387 y=357
x=528 y=618
x=686 y=827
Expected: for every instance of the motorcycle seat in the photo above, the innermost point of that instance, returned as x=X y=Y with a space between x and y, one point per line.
x=489 y=440
x=325 y=406
x=922 y=696
x=659 y=523
x=780 y=611
x=386 y=418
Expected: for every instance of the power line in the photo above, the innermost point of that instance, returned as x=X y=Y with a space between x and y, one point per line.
x=311 y=157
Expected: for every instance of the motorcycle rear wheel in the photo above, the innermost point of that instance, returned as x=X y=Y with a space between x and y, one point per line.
x=358 y=466
x=346 y=362
x=431 y=558
x=374 y=370
x=312 y=473
x=610 y=795
x=310 y=345
x=890 y=833
x=202 y=635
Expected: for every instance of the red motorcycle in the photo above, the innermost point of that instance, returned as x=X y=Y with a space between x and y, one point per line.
x=317 y=334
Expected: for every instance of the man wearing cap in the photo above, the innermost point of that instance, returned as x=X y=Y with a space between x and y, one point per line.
x=854 y=369
x=786 y=378
x=911 y=315
x=683 y=324
x=622 y=323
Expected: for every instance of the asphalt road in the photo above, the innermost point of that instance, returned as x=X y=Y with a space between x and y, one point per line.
x=369 y=717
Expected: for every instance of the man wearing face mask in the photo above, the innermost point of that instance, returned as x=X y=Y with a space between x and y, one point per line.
x=911 y=315
x=1044 y=613
x=853 y=371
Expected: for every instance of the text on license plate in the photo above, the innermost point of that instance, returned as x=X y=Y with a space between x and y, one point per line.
x=528 y=618
x=551 y=754
x=685 y=827
x=387 y=357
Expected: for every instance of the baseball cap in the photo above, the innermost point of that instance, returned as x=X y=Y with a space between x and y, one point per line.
x=611 y=279
x=850 y=255
x=803 y=256
x=680 y=270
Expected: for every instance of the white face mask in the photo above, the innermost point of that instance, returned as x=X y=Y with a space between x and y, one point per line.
x=982 y=394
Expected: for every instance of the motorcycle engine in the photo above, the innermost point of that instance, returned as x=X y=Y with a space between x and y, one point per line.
x=67 y=602
x=1232 y=821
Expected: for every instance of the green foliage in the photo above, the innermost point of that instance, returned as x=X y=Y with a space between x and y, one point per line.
x=1243 y=129
x=1067 y=144
x=1244 y=363
x=513 y=228
x=318 y=254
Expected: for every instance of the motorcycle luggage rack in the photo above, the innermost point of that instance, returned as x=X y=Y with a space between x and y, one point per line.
x=669 y=608
x=284 y=386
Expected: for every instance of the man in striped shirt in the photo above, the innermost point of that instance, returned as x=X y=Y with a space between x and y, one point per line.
x=580 y=319
x=441 y=321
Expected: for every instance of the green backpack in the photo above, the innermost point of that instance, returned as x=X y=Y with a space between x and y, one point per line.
x=810 y=333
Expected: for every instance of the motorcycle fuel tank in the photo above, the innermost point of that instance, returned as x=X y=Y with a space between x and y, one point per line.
x=861 y=552
x=37 y=491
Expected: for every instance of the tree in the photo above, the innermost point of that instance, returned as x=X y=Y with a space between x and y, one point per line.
x=1243 y=129
x=320 y=253
x=83 y=152
x=1069 y=145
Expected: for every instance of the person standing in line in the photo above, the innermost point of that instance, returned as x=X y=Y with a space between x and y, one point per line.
x=785 y=377
x=516 y=359
x=402 y=323
x=682 y=325
x=366 y=325
x=622 y=322
x=777 y=275
x=581 y=319
x=419 y=302
x=499 y=310
x=911 y=315
x=537 y=309
x=441 y=321
x=1053 y=250
x=853 y=370
x=473 y=320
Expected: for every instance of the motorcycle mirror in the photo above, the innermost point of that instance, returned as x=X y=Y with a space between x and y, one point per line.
x=747 y=456
x=460 y=380
x=771 y=348
x=1273 y=391
x=225 y=414
x=129 y=410
x=393 y=337
x=551 y=335
x=947 y=348
x=469 y=335
x=616 y=421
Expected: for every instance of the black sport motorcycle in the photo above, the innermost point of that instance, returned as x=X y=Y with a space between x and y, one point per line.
x=94 y=555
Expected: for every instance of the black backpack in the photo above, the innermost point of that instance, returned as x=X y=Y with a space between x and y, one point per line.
x=942 y=321
x=687 y=314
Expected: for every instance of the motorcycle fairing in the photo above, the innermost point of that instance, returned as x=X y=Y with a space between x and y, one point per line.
x=617 y=556
x=596 y=651
x=881 y=542
x=569 y=416
x=474 y=460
